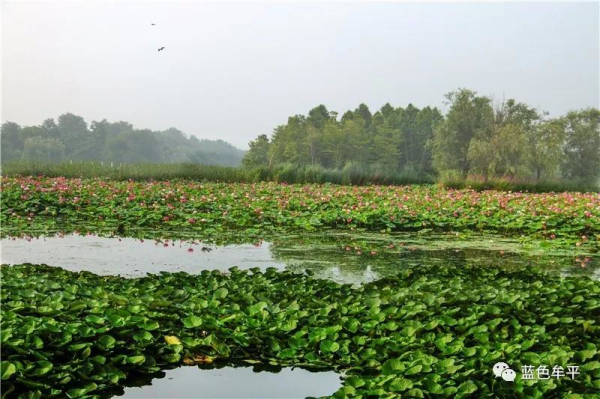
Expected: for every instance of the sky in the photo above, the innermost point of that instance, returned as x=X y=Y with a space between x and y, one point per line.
x=233 y=71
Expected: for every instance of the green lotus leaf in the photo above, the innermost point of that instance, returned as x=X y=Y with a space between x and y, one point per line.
x=415 y=393
x=79 y=392
x=590 y=366
x=354 y=381
x=172 y=357
x=7 y=369
x=41 y=367
x=467 y=388
x=115 y=320
x=220 y=293
x=328 y=346
x=93 y=319
x=433 y=387
x=288 y=325
x=148 y=325
x=392 y=366
x=136 y=359
x=413 y=370
x=106 y=342
x=143 y=336
x=192 y=322
x=352 y=325
x=373 y=302
x=287 y=353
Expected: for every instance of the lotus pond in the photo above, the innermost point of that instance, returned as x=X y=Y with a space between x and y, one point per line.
x=39 y=205
x=428 y=331
x=399 y=291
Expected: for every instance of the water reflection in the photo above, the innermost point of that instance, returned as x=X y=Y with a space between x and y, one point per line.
x=344 y=258
x=130 y=257
x=236 y=382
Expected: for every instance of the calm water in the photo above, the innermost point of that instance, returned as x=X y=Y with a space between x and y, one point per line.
x=238 y=382
x=132 y=257
x=343 y=258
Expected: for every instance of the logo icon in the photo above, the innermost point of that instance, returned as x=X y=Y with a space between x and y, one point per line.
x=509 y=375
x=503 y=370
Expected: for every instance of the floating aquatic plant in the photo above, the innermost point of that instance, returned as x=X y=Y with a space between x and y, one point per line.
x=428 y=332
x=40 y=204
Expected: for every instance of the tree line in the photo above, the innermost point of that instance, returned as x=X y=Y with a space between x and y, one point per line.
x=69 y=138
x=474 y=137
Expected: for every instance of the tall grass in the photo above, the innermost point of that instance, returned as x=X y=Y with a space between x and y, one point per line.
x=508 y=183
x=287 y=173
x=138 y=171
x=351 y=174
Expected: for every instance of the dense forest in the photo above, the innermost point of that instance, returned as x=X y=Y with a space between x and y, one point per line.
x=474 y=138
x=71 y=139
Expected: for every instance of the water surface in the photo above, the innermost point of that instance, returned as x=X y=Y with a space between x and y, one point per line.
x=238 y=382
x=131 y=257
x=347 y=258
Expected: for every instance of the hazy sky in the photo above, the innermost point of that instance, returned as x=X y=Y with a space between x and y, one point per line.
x=236 y=70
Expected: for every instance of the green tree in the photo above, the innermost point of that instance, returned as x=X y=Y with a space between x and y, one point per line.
x=32 y=131
x=365 y=114
x=510 y=151
x=11 y=141
x=117 y=142
x=80 y=142
x=73 y=133
x=50 y=129
x=546 y=142
x=45 y=149
x=290 y=144
x=582 y=147
x=316 y=121
x=469 y=116
x=501 y=147
x=354 y=146
x=258 y=155
x=427 y=121
x=409 y=143
x=318 y=116
x=384 y=143
x=332 y=151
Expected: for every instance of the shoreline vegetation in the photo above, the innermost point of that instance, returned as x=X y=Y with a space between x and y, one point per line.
x=476 y=143
x=351 y=174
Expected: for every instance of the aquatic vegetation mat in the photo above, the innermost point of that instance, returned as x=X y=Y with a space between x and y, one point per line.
x=38 y=204
x=429 y=332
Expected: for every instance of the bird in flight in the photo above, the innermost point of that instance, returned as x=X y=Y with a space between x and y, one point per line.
x=152 y=24
x=162 y=48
